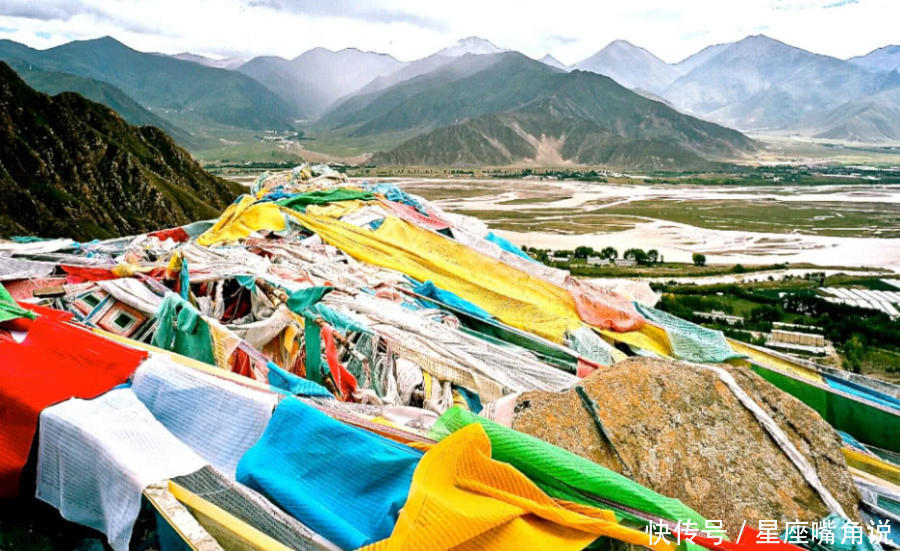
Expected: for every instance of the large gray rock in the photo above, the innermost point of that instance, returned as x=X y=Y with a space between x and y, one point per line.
x=680 y=431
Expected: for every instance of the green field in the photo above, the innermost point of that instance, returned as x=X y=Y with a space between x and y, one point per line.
x=833 y=219
x=865 y=341
x=820 y=218
x=554 y=220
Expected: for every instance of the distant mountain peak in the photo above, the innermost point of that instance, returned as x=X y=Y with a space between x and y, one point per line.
x=104 y=38
x=631 y=66
x=699 y=58
x=357 y=51
x=886 y=58
x=471 y=45
x=318 y=77
x=621 y=46
x=621 y=43
x=326 y=53
x=475 y=40
x=767 y=49
x=219 y=63
x=553 y=62
x=101 y=41
x=765 y=41
x=888 y=48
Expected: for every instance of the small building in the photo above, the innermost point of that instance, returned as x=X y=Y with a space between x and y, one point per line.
x=796 y=337
x=789 y=326
x=598 y=261
x=812 y=343
x=626 y=262
x=716 y=315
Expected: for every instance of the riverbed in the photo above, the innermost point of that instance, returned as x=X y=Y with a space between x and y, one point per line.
x=833 y=225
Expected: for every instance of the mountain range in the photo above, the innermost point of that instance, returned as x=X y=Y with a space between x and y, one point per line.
x=762 y=84
x=756 y=84
x=311 y=82
x=510 y=101
x=874 y=118
x=72 y=167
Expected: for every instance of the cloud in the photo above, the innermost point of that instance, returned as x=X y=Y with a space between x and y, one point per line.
x=67 y=10
x=349 y=9
x=659 y=14
x=409 y=29
x=791 y=5
x=43 y=10
x=693 y=34
x=564 y=39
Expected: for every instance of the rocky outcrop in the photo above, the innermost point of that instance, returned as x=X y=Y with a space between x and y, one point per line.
x=679 y=430
x=71 y=167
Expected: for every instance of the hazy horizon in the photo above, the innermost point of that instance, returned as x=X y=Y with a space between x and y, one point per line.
x=407 y=30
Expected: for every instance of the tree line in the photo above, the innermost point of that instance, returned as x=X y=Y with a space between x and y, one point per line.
x=639 y=256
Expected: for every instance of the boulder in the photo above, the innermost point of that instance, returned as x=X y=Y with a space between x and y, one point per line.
x=679 y=430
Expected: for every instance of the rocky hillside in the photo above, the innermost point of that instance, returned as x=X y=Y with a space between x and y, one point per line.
x=72 y=167
x=501 y=139
x=52 y=83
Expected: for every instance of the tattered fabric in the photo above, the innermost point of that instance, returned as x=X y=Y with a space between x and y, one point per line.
x=462 y=499
x=218 y=419
x=10 y=309
x=689 y=341
x=565 y=475
x=507 y=246
x=414 y=216
x=241 y=219
x=55 y=362
x=183 y=330
x=288 y=382
x=345 y=483
x=511 y=295
x=429 y=290
x=95 y=457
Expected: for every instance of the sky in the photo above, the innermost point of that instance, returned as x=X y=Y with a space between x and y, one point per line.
x=570 y=30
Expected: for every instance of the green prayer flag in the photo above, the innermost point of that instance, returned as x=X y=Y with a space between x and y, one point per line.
x=564 y=475
x=301 y=299
x=10 y=309
x=321 y=197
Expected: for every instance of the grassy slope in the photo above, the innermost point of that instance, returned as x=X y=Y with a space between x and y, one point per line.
x=52 y=83
x=163 y=83
x=71 y=167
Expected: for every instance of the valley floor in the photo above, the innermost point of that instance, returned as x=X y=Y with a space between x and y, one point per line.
x=829 y=224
